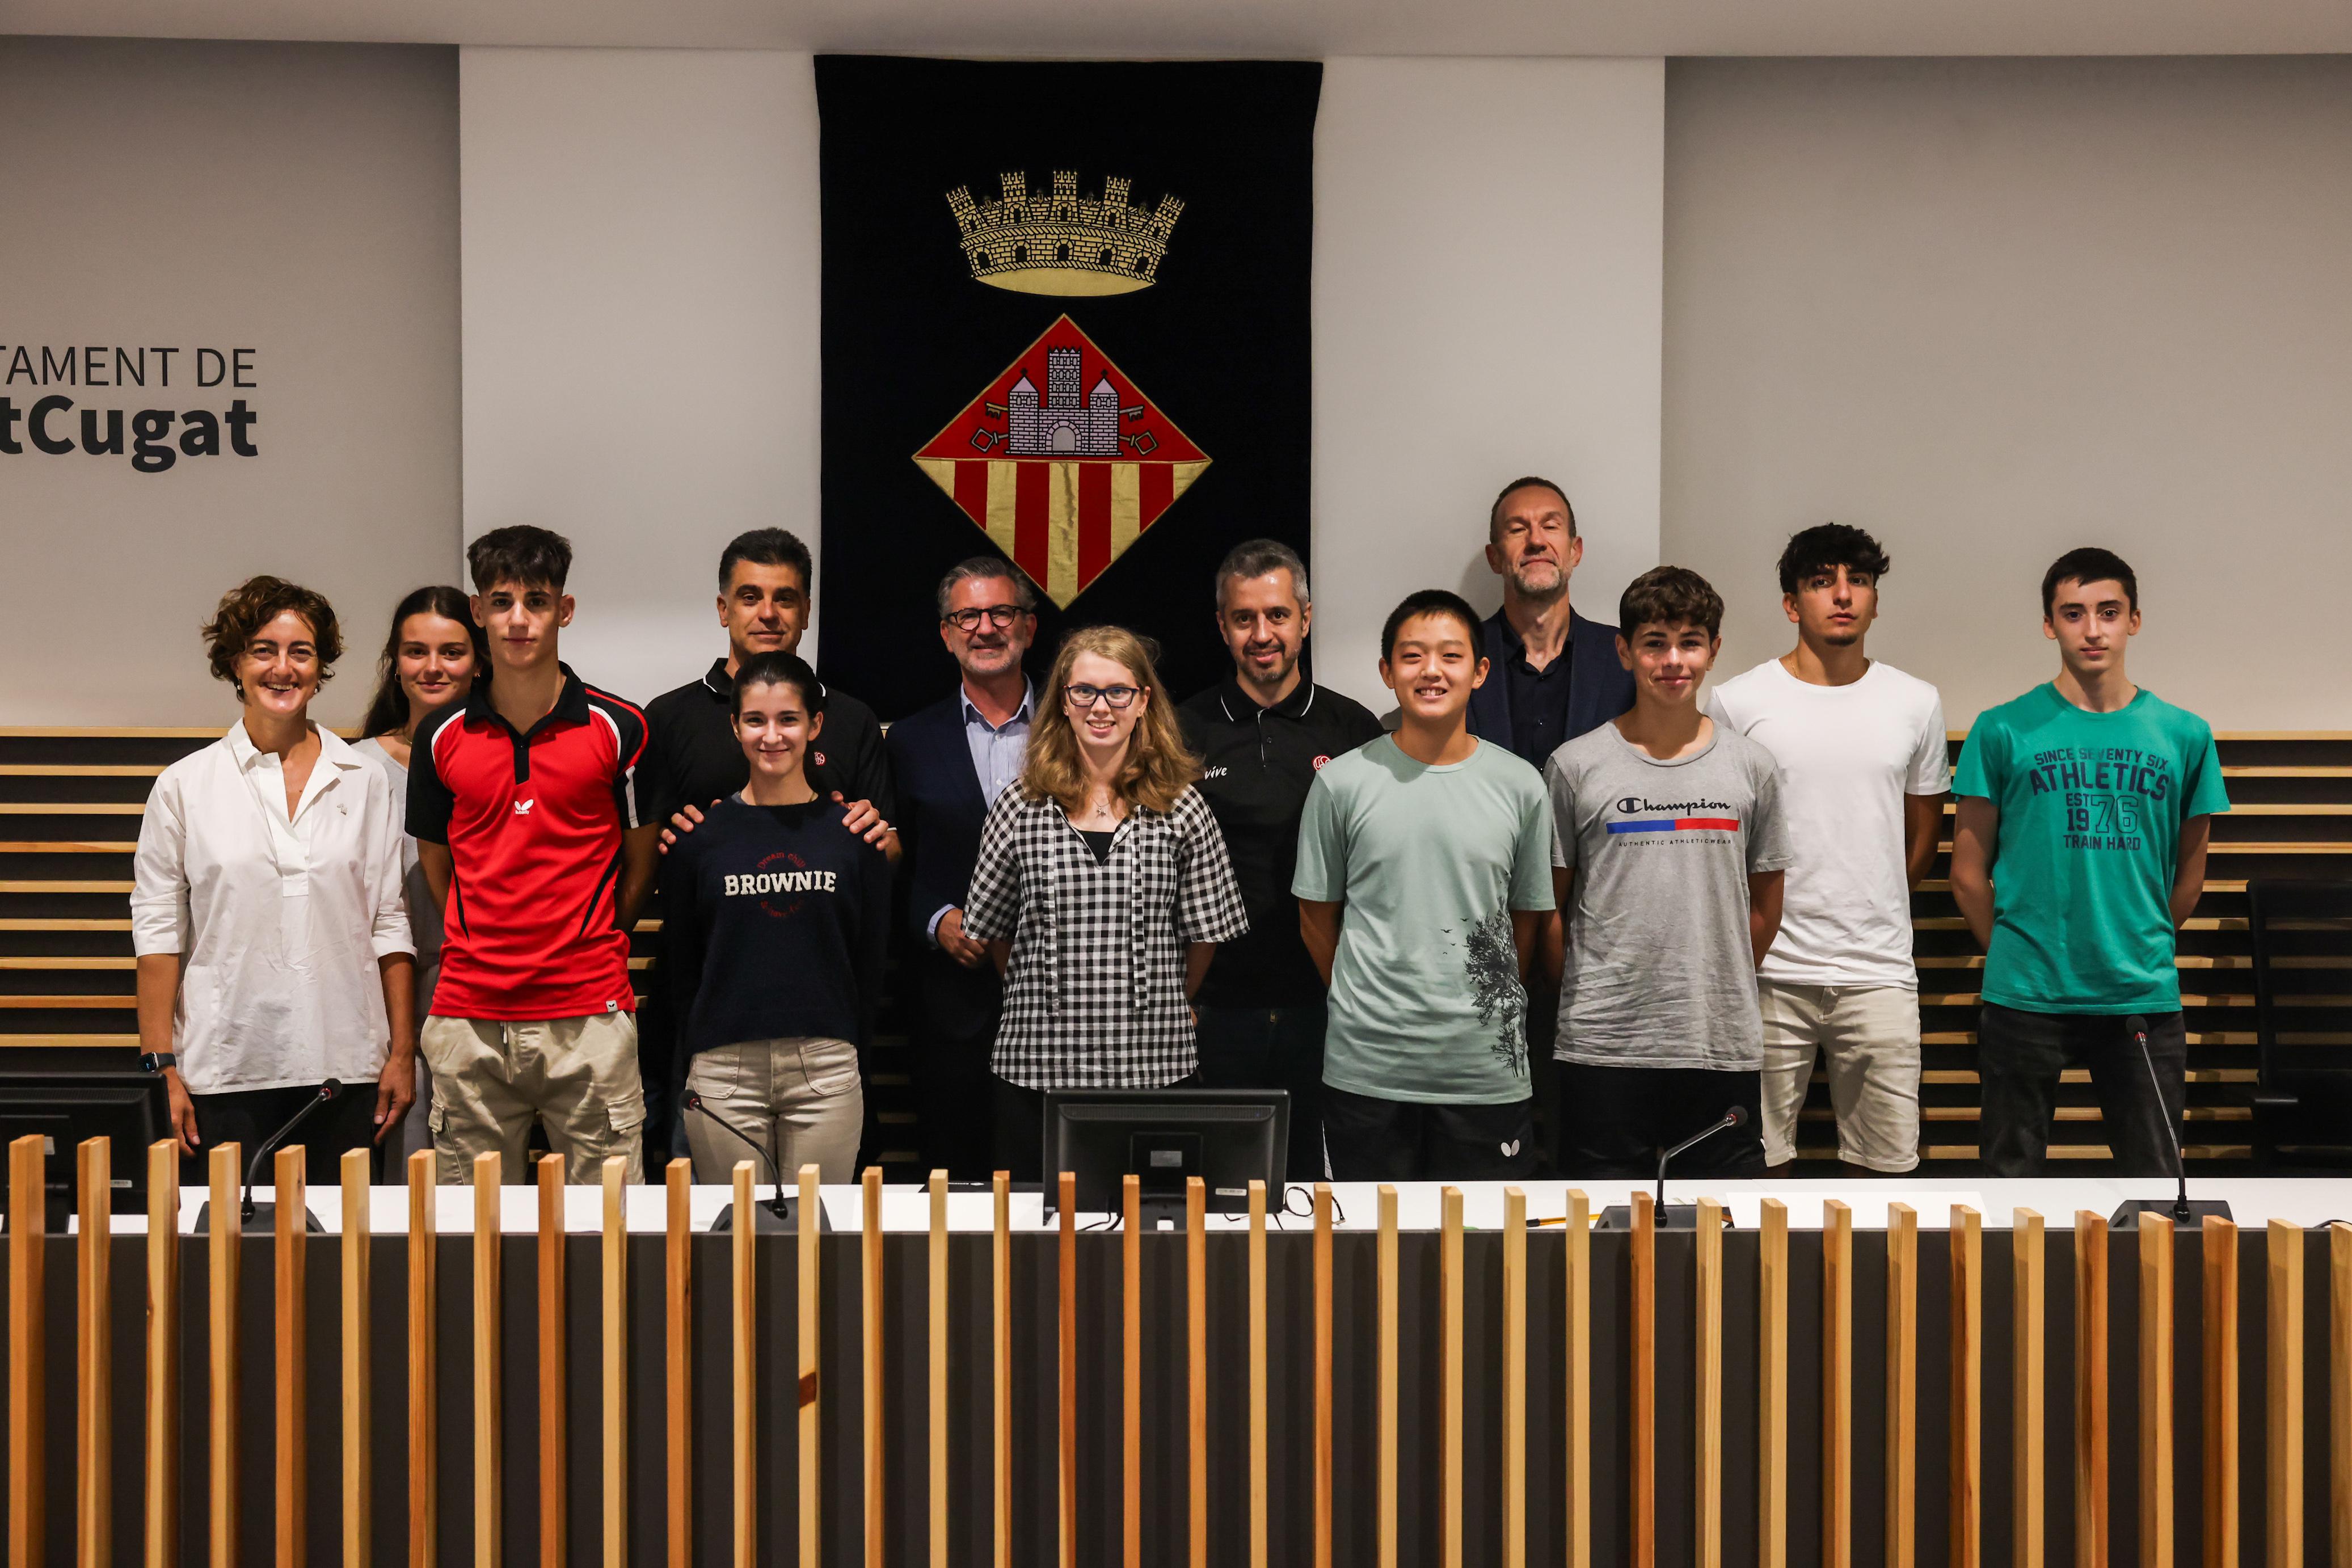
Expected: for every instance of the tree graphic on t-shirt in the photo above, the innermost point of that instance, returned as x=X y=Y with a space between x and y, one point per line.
x=1492 y=960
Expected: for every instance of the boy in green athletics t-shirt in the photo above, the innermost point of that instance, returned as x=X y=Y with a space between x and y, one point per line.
x=2084 y=807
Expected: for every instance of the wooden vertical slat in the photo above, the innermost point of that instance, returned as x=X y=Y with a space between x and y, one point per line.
x=359 y=1342
x=2028 y=1466
x=1902 y=1384
x=678 y=1359
x=1772 y=1386
x=1131 y=1393
x=999 y=1188
x=812 y=1405
x=94 y=1355
x=1196 y=1366
x=423 y=1368
x=28 y=1350
x=1384 y=1488
x=1323 y=1353
x=2090 y=1390
x=1837 y=1385
x=1066 y=1334
x=2155 y=1390
x=1449 y=1376
x=552 y=1449
x=613 y=1283
x=2339 y=1395
x=1515 y=1378
x=1706 y=1424
x=938 y=1287
x=870 y=1297
x=163 y=1446
x=489 y=1437
x=2218 y=1459
x=2283 y=1402
x=1259 y=1458
x=1643 y=1459
x=292 y=1197
x=1576 y=1326
x=1966 y=1503
x=220 y=1395
x=743 y=1387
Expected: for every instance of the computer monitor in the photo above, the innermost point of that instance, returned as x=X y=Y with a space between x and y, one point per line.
x=66 y=1107
x=1227 y=1137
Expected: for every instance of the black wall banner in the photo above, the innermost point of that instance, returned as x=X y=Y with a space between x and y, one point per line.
x=1065 y=319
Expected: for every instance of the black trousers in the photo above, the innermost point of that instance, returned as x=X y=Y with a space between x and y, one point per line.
x=1371 y=1139
x=1613 y=1121
x=1020 y=1124
x=247 y=1117
x=957 y=1019
x=1273 y=1048
x=2018 y=1058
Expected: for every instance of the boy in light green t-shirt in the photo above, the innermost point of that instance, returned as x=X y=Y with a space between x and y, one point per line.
x=2084 y=808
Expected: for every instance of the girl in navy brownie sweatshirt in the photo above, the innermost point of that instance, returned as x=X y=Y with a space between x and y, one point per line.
x=775 y=921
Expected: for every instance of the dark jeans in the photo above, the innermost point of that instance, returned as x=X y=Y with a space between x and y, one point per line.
x=1613 y=1121
x=247 y=1117
x=958 y=1017
x=661 y=1069
x=2018 y=1058
x=1020 y=1115
x=1369 y=1140
x=1272 y=1047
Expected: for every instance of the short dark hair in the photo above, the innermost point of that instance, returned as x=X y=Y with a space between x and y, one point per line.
x=1495 y=513
x=777 y=670
x=1258 y=558
x=984 y=568
x=1669 y=596
x=2088 y=564
x=1428 y=601
x=1825 y=547
x=767 y=547
x=520 y=553
x=252 y=605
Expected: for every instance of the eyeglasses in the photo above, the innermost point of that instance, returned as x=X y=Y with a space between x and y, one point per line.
x=969 y=620
x=1087 y=696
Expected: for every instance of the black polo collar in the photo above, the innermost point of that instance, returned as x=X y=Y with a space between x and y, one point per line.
x=571 y=704
x=722 y=685
x=1240 y=705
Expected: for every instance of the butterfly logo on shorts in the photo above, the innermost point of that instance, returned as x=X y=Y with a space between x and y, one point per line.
x=1511 y=1149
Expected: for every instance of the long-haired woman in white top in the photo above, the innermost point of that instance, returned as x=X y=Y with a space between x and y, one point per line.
x=274 y=953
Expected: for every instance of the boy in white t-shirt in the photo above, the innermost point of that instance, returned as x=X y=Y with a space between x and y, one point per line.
x=1863 y=772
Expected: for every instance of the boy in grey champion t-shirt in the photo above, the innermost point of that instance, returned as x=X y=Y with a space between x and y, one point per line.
x=1669 y=846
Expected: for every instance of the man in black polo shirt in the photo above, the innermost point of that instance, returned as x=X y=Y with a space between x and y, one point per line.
x=695 y=760
x=1261 y=736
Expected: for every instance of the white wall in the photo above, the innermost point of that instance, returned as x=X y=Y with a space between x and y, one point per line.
x=1992 y=309
x=640 y=248
x=1487 y=264
x=299 y=200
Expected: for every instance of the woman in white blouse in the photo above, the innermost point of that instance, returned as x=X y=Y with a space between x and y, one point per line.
x=432 y=658
x=274 y=953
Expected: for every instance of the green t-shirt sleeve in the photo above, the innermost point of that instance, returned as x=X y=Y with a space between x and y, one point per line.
x=1531 y=857
x=1322 y=874
x=2207 y=793
x=1982 y=758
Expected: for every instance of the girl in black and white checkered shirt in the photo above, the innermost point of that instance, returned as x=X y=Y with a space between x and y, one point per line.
x=1101 y=889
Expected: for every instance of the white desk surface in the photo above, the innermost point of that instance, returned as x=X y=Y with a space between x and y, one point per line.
x=2303 y=1201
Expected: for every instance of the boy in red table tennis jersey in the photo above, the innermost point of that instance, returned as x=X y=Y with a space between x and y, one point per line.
x=523 y=804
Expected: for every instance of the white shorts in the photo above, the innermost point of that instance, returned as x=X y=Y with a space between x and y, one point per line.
x=1868 y=1036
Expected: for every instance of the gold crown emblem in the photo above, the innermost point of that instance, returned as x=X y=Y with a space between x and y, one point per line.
x=1031 y=242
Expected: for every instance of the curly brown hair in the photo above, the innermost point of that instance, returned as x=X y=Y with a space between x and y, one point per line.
x=1159 y=766
x=253 y=605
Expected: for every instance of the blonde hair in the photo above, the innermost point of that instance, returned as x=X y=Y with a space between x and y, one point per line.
x=1158 y=767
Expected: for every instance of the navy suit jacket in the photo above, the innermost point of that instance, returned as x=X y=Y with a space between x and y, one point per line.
x=1599 y=687
x=940 y=814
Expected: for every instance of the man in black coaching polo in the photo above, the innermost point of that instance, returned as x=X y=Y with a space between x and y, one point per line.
x=1261 y=736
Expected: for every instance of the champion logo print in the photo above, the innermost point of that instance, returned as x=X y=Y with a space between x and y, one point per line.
x=1644 y=815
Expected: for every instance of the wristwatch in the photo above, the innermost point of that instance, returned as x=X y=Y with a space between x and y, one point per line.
x=157 y=1061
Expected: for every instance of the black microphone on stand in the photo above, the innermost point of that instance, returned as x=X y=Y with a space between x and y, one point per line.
x=1620 y=1216
x=774 y=1216
x=2181 y=1210
x=260 y=1219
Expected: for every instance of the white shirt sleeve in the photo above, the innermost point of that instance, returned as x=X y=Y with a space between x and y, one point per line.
x=386 y=870
x=1931 y=772
x=159 y=874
